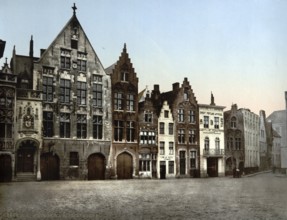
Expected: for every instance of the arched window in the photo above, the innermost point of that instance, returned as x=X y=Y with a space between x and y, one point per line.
x=206 y=143
x=233 y=122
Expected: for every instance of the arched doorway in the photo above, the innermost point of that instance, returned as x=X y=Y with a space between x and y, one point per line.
x=96 y=167
x=5 y=168
x=50 y=166
x=125 y=166
x=25 y=156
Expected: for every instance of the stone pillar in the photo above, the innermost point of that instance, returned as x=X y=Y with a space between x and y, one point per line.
x=39 y=162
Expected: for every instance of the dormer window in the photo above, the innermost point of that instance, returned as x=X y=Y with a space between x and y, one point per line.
x=124 y=76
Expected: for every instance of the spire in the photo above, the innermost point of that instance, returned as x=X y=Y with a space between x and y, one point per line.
x=31 y=53
x=74 y=9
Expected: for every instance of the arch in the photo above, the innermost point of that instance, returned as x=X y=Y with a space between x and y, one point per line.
x=50 y=166
x=96 y=166
x=5 y=168
x=26 y=150
x=125 y=166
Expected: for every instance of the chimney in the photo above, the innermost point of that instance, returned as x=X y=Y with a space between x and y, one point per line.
x=42 y=51
x=156 y=88
x=31 y=52
x=175 y=86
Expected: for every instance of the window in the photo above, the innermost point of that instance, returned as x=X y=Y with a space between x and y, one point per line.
x=170 y=128
x=238 y=143
x=181 y=136
x=82 y=65
x=170 y=167
x=48 y=124
x=97 y=79
x=206 y=122
x=124 y=76
x=65 y=90
x=171 y=149
x=130 y=102
x=144 y=162
x=161 y=148
x=192 y=138
x=81 y=126
x=97 y=127
x=193 y=159
x=118 y=130
x=64 y=125
x=206 y=143
x=65 y=59
x=166 y=114
x=191 y=115
x=217 y=143
x=74 y=44
x=185 y=96
x=148 y=116
x=81 y=93
x=180 y=115
x=74 y=159
x=233 y=122
x=147 y=137
x=216 y=122
x=47 y=89
x=118 y=101
x=6 y=106
x=230 y=143
x=82 y=61
x=161 y=127
x=130 y=131
x=97 y=95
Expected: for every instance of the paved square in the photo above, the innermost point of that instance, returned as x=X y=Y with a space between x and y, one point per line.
x=260 y=197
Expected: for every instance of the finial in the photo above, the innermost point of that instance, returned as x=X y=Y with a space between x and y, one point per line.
x=74 y=9
x=212 y=99
x=6 y=59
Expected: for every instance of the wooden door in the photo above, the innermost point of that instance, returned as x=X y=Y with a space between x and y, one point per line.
x=25 y=160
x=49 y=166
x=162 y=170
x=124 y=166
x=212 y=167
x=96 y=167
x=182 y=164
x=5 y=168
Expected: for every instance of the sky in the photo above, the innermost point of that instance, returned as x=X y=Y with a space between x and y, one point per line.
x=235 y=49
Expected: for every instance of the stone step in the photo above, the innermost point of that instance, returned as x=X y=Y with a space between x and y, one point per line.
x=26 y=177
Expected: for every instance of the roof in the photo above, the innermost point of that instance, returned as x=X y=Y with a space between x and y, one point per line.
x=109 y=70
x=211 y=106
x=277 y=116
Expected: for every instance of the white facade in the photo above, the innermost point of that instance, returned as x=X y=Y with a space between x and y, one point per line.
x=166 y=165
x=251 y=134
x=211 y=128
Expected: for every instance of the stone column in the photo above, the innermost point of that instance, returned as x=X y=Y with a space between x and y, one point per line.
x=39 y=162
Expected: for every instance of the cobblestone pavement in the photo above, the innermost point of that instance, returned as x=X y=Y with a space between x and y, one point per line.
x=258 y=197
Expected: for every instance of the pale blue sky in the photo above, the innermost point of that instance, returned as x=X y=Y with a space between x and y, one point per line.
x=236 y=49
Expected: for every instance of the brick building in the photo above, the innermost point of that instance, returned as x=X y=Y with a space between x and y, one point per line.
x=124 y=153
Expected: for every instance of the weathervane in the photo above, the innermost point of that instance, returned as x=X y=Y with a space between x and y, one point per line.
x=74 y=8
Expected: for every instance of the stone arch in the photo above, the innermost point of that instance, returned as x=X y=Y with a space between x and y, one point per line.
x=96 y=166
x=125 y=165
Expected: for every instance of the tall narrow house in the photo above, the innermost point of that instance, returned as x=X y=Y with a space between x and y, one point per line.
x=63 y=109
x=184 y=109
x=124 y=154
